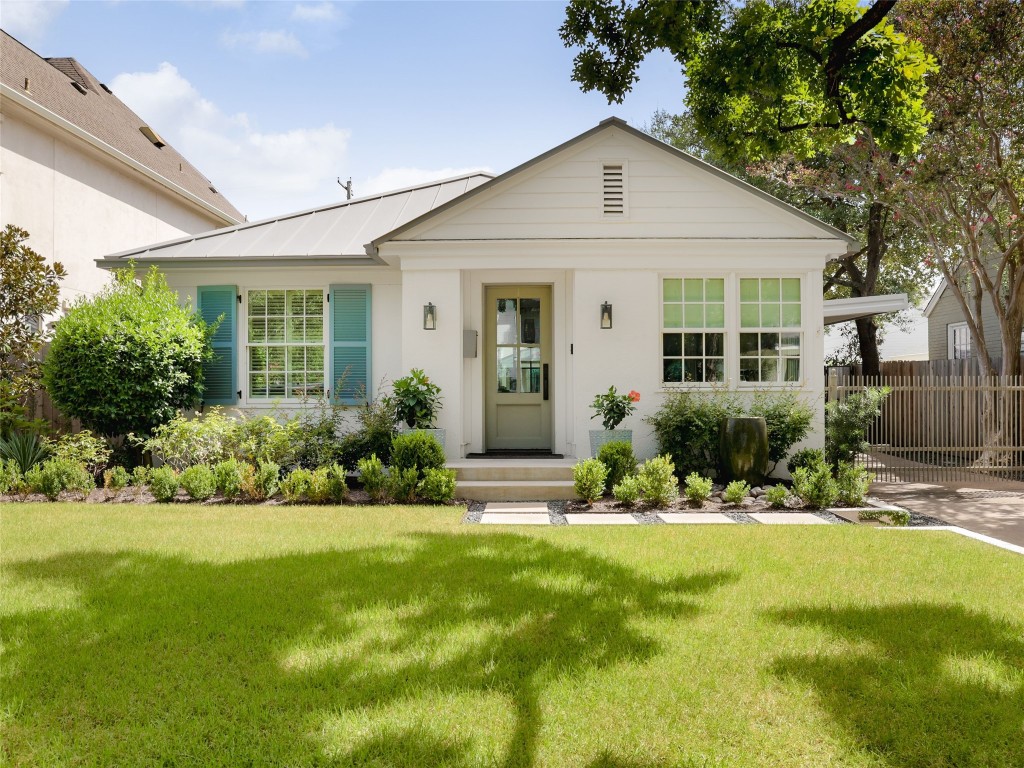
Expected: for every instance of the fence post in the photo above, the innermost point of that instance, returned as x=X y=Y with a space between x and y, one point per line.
x=833 y=388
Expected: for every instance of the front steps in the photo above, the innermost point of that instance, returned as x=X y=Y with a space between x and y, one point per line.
x=514 y=479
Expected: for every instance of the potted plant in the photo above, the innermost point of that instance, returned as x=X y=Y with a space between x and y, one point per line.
x=417 y=401
x=612 y=408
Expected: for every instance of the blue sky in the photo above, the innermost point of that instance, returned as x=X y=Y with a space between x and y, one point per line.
x=274 y=100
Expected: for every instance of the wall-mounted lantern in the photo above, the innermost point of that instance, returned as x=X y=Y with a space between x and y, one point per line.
x=606 y=316
x=429 y=317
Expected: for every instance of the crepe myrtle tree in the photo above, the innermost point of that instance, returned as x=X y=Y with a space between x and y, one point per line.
x=128 y=359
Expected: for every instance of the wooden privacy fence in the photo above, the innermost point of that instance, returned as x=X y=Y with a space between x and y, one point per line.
x=948 y=428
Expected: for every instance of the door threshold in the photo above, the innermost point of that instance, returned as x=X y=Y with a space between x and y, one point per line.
x=516 y=454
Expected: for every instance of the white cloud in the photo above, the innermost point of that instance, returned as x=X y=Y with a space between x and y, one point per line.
x=398 y=178
x=265 y=41
x=263 y=174
x=28 y=21
x=318 y=12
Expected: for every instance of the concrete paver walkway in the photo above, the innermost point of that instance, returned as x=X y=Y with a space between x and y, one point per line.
x=988 y=506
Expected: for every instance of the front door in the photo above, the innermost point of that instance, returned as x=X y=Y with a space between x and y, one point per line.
x=517 y=359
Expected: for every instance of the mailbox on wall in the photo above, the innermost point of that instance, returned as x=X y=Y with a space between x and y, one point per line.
x=469 y=343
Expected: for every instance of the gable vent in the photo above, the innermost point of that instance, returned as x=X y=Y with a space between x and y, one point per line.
x=614 y=189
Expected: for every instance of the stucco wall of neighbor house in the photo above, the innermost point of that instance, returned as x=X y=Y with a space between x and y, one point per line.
x=77 y=204
x=385 y=315
x=947 y=311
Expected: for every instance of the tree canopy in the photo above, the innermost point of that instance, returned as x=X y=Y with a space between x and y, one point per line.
x=764 y=78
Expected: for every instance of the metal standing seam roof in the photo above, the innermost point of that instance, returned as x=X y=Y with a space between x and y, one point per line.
x=63 y=88
x=338 y=231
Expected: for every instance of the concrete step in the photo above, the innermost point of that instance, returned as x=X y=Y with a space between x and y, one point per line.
x=480 y=470
x=515 y=490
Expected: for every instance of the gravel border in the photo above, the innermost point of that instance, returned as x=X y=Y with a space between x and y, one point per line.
x=648 y=518
x=831 y=518
x=556 y=513
x=474 y=511
x=741 y=517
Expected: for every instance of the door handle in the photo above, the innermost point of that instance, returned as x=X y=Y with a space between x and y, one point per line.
x=544 y=379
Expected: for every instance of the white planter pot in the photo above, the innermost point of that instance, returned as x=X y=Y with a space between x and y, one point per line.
x=599 y=437
x=437 y=433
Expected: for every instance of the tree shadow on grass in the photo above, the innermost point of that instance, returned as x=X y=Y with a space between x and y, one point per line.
x=931 y=685
x=174 y=661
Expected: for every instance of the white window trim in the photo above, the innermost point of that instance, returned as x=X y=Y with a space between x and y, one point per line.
x=242 y=363
x=951 y=328
x=729 y=348
x=800 y=329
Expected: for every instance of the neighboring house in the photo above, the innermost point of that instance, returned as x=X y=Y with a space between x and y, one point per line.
x=949 y=338
x=613 y=259
x=907 y=340
x=84 y=175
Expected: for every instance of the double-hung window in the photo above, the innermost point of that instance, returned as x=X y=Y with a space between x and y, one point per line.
x=959 y=340
x=285 y=343
x=693 y=330
x=769 y=338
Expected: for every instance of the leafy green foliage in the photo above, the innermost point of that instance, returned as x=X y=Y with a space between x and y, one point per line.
x=657 y=481
x=853 y=483
x=627 y=491
x=416 y=400
x=788 y=418
x=26 y=449
x=612 y=408
x=686 y=427
x=10 y=475
x=199 y=482
x=295 y=485
x=265 y=440
x=437 y=485
x=140 y=476
x=588 y=477
x=128 y=359
x=418 y=451
x=401 y=485
x=697 y=489
x=328 y=484
x=764 y=78
x=116 y=479
x=56 y=475
x=373 y=477
x=619 y=458
x=260 y=482
x=735 y=492
x=805 y=457
x=376 y=428
x=81 y=448
x=29 y=291
x=897 y=517
x=847 y=422
x=815 y=486
x=182 y=442
x=163 y=484
x=776 y=496
x=228 y=476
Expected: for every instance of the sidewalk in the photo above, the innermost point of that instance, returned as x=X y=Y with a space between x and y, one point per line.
x=988 y=506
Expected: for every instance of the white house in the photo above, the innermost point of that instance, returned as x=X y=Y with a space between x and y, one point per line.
x=613 y=259
x=84 y=175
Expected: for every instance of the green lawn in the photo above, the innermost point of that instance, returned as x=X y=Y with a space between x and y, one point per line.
x=187 y=635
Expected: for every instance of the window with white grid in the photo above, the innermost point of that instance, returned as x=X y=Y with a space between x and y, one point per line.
x=285 y=343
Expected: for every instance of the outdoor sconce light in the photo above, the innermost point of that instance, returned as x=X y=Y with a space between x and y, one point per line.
x=429 y=317
x=606 y=316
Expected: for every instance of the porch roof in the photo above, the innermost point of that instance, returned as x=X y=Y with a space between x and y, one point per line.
x=842 y=310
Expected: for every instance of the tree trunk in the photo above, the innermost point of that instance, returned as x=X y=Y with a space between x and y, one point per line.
x=867 y=328
x=867 y=337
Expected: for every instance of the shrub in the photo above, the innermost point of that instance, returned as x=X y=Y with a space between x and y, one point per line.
x=10 y=475
x=317 y=441
x=618 y=457
x=373 y=437
x=437 y=485
x=627 y=490
x=328 y=484
x=25 y=449
x=371 y=472
x=56 y=475
x=227 y=475
x=788 y=419
x=847 y=422
x=735 y=492
x=129 y=358
x=81 y=448
x=295 y=485
x=199 y=482
x=183 y=442
x=697 y=489
x=657 y=481
x=416 y=400
x=687 y=426
x=853 y=483
x=815 y=485
x=260 y=482
x=806 y=457
x=265 y=440
x=418 y=451
x=776 y=496
x=402 y=484
x=116 y=478
x=588 y=478
x=163 y=484
x=139 y=476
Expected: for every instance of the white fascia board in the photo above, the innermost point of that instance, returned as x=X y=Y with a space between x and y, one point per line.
x=843 y=310
x=21 y=100
x=933 y=300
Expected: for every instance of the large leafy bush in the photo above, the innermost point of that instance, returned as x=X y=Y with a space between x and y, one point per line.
x=686 y=426
x=418 y=451
x=128 y=359
x=847 y=422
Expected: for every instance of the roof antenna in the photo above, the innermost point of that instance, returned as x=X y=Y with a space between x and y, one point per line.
x=347 y=187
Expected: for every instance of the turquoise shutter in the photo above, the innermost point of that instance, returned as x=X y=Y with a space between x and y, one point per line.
x=350 y=344
x=220 y=380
